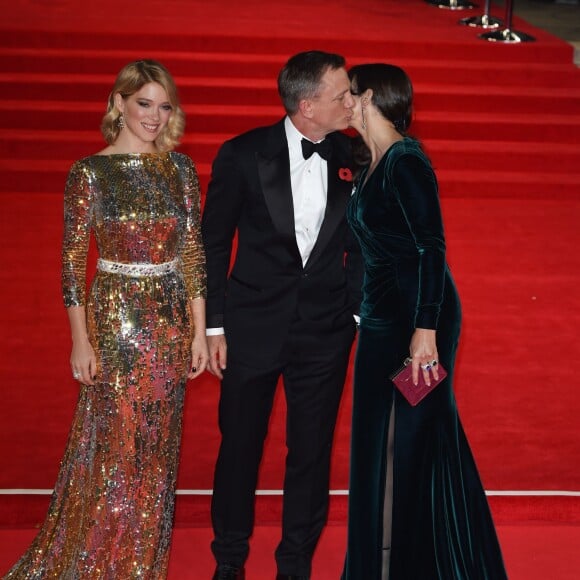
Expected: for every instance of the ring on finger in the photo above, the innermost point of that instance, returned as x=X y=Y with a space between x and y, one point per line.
x=426 y=367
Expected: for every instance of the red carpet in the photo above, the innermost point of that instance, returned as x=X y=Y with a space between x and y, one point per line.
x=501 y=124
x=525 y=551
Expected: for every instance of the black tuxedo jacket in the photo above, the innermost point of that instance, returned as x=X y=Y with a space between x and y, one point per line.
x=268 y=291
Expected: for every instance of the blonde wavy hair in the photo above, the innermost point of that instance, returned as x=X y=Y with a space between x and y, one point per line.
x=131 y=79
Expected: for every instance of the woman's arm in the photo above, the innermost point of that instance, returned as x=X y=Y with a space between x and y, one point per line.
x=194 y=271
x=77 y=227
x=417 y=194
x=418 y=197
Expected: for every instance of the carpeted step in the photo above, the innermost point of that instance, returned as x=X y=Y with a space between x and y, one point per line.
x=48 y=176
x=514 y=184
x=267 y=66
x=489 y=156
x=263 y=92
x=64 y=115
x=109 y=62
x=58 y=145
x=499 y=126
x=462 y=44
x=485 y=156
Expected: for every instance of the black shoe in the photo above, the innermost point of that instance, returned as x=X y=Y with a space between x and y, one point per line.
x=229 y=572
x=291 y=577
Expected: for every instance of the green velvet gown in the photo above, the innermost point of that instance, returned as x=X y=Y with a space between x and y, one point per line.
x=417 y=508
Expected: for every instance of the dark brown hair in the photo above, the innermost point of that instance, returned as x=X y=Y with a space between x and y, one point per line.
x=300 y=78
x=392 y=96
x=392 y=91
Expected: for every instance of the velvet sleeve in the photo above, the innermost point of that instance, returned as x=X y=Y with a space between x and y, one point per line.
x=192 y=254
x=76 y=236
x=416 y=191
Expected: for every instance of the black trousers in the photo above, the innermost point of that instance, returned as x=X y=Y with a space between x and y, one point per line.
x=313 y=366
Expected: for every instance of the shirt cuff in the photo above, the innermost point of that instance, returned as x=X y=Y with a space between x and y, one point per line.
x=214 y=331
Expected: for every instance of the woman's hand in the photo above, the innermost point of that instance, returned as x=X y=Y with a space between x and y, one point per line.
x=199 y=355
x=83 y=362
x=423 y=352
x=199 y=349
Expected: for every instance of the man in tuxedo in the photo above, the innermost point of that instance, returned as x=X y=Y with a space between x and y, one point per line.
x=285 y=309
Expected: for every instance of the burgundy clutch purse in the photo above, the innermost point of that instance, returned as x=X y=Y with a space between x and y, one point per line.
x=403 y=379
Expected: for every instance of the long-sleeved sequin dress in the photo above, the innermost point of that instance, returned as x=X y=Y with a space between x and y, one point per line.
x=111 y=512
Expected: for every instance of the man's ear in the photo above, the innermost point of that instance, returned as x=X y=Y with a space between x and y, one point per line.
x=305 y=107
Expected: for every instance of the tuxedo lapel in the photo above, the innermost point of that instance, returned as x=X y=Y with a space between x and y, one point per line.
x=274 y=172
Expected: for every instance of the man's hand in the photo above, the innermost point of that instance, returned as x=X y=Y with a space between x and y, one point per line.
x=217 y=354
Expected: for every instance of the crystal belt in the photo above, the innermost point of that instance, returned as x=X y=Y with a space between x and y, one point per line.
x=137 y=270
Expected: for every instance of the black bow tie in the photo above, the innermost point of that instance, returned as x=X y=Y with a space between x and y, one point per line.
x=324 y=149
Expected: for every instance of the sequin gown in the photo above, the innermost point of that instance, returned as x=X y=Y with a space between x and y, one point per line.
x=417 y=508
x=111 y=513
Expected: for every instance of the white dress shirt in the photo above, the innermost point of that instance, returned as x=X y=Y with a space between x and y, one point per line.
x=309 y=180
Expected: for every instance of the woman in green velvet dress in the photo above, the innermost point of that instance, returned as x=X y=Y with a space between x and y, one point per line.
x=417 y=508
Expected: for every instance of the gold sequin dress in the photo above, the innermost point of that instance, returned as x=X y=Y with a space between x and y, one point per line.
x=111 y=512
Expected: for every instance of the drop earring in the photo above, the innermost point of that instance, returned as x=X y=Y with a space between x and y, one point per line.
x=121 y=121
x=363 y=120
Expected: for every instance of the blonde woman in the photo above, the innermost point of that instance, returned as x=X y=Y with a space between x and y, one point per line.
x=137 y=336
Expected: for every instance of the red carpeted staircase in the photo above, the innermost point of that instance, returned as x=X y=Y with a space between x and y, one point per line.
x=493 y=109
x=501 y=124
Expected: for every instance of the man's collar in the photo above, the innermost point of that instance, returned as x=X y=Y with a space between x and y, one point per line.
x=294 y=135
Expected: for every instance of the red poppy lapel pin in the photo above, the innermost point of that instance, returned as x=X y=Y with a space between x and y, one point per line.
x=345 y=174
